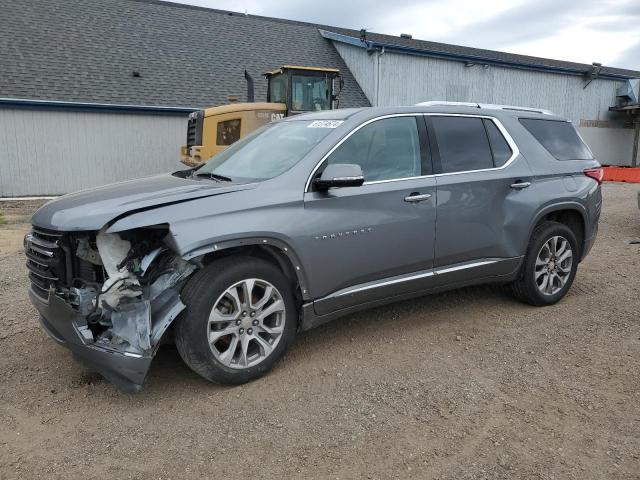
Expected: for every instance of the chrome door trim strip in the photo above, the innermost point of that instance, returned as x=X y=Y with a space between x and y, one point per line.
x=515 y=151
x=430 y=273
x=350 y=291
x=441 y=270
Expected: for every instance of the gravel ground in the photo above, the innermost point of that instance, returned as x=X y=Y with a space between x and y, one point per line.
x=467 y=384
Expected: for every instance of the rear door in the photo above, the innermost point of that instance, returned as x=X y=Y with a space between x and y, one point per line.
x=376 y=240
x=480 y=175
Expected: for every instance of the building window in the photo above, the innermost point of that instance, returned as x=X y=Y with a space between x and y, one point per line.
x=228 y=132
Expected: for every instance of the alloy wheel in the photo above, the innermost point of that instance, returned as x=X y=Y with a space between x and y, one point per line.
x=246 y=323
x=553 y=265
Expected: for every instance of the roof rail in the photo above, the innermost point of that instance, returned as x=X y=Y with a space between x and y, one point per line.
x=442 y=103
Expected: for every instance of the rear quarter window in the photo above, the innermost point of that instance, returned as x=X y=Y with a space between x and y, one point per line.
x=559 y=138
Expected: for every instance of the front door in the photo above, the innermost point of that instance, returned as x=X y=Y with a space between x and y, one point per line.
x=376 y=240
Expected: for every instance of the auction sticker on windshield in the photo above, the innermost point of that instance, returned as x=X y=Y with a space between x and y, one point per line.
x=325 y=123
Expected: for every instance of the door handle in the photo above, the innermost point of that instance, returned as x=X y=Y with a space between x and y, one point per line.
x=419 y=197
x=520 y=185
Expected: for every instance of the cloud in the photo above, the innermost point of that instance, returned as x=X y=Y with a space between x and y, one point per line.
x=629 y=58
x=371 y=14
x=575 y=30
x=522 y=23
x=351 y=14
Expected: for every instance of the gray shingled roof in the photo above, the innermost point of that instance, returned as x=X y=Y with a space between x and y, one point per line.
x=480 y=53
x=86 y=51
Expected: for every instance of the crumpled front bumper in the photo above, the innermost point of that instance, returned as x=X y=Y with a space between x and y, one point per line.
x=125 y=370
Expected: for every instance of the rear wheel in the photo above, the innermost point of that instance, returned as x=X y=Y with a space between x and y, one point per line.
x=240 y=319
x=549 y=266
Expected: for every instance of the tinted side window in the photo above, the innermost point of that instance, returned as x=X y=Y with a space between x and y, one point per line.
x=499 y=146
x=463 y=144
x=385 y=149
x=558 y=137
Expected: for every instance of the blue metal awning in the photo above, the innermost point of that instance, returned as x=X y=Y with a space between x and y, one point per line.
x=101 y=107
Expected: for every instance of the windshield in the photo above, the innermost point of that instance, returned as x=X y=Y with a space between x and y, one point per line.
x=267 y=152
x=310 y=93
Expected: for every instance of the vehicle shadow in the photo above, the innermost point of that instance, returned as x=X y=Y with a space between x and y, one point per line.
x=413 y=317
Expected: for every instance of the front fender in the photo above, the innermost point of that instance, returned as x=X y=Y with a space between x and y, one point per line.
x=267 y=240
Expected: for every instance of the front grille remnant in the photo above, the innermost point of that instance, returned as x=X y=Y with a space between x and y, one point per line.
x=194 y=129
x=45 y=260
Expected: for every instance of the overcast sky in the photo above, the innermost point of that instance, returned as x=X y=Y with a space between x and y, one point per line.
x=605 y=31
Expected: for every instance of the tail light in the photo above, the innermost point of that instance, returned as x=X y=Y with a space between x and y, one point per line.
x=596 y=173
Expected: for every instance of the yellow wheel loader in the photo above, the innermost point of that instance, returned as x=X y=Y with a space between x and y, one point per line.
x=291 y=90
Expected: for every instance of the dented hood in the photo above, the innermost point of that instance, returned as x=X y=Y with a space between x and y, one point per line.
x=92 y=209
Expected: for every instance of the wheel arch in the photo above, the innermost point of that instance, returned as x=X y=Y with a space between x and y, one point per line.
x=271 y=249
x=571 y=214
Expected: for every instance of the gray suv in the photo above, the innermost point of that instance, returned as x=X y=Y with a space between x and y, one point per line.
x=306 y=220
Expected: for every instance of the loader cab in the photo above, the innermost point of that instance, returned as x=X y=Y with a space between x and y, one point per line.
x=291 y=90
x=304 y=89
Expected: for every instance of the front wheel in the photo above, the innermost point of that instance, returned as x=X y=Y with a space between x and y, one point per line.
x=240 y=319
x=549 y=266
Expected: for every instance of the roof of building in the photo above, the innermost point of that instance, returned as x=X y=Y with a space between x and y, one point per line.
x=444 y=50
x=186 y=56
x=88 y=51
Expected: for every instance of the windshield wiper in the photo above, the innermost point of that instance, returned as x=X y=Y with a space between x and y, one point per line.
x=214 y=176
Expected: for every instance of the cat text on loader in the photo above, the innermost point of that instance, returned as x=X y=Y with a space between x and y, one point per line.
x=290 y=90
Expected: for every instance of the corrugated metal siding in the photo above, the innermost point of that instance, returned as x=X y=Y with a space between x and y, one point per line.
x=408 y=79
x=50 y=152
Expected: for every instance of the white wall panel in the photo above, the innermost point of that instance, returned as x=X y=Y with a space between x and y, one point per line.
x=611 y=146
x=50 y=152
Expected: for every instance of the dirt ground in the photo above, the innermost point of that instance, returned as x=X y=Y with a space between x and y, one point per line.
x=464 y=385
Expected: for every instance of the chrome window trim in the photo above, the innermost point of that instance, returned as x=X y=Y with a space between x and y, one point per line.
x=515 y=151
x=345 y=179
x=375 y=182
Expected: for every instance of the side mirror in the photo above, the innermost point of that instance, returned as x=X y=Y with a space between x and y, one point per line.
x=340 y=175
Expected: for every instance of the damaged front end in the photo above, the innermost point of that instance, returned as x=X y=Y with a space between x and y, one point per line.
x=109 y=297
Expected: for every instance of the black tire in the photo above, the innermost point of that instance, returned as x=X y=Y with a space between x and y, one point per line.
x=524 y=287
x=199 y=295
